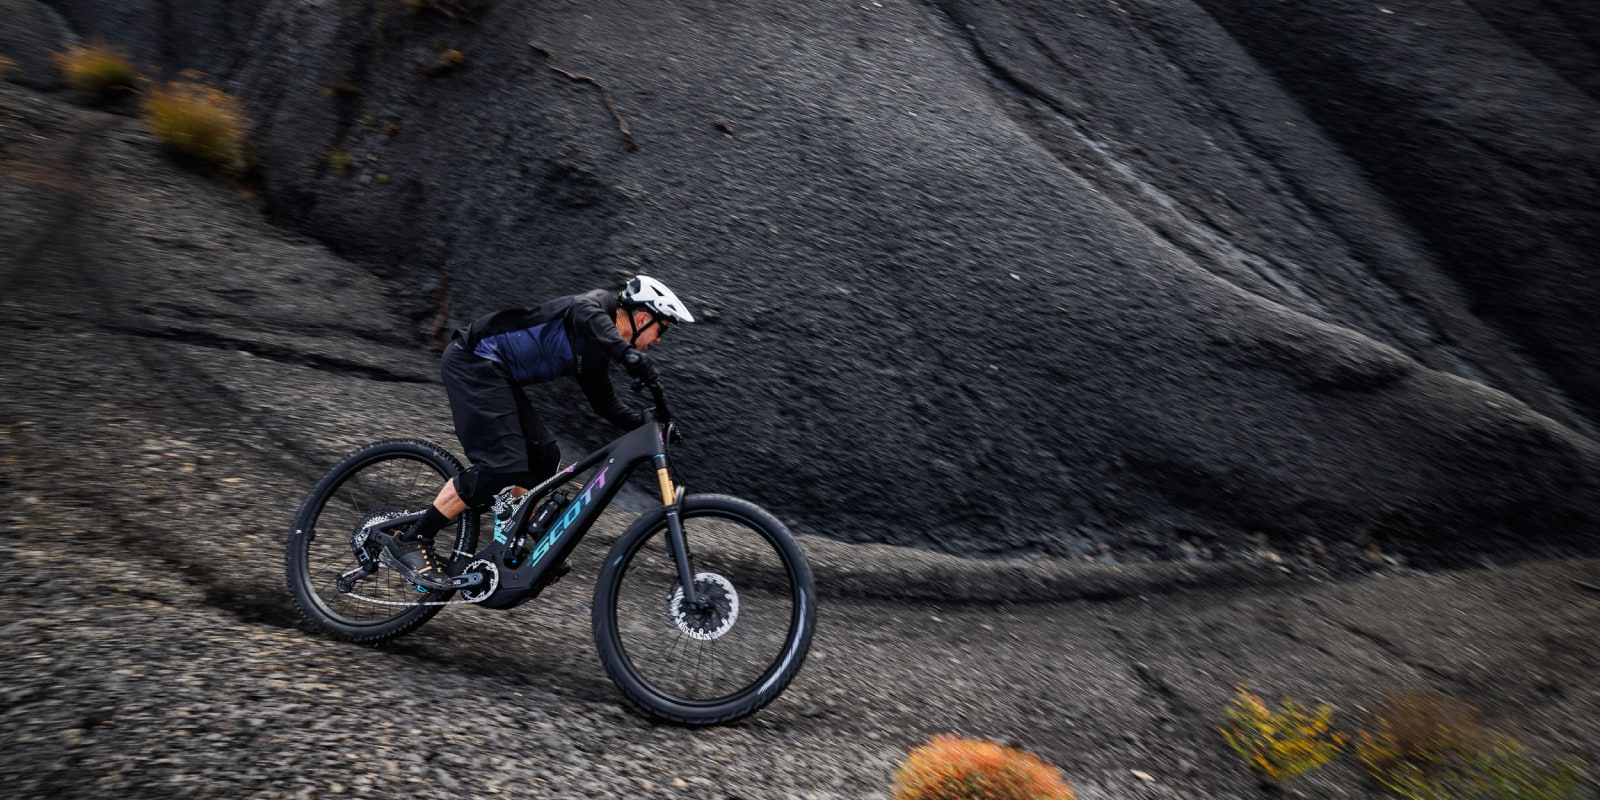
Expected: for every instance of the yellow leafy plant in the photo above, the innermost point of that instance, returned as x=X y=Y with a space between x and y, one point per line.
x=1285 y=742
x=96 y=70
x=198 y=121
x=954 y=768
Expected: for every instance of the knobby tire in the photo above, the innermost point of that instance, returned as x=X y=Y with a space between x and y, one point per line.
x=740 y=544
x=397 y=475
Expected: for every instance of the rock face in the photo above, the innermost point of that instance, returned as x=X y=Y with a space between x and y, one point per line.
x=996 y=276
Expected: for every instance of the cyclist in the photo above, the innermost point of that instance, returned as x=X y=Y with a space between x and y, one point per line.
x=484 y=367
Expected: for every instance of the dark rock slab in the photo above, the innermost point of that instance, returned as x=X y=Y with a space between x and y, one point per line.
x=987 y=277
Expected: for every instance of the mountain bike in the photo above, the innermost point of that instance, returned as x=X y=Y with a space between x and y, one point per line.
x=703 y=611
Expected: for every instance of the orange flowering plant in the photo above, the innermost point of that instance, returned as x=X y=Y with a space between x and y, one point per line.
x=953 y=768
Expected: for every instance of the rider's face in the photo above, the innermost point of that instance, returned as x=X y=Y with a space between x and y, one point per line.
x=647 y=335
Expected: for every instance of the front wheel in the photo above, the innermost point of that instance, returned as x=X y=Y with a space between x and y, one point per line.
x=733 y=653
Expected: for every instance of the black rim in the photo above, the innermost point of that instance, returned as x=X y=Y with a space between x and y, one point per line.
x=400 y=482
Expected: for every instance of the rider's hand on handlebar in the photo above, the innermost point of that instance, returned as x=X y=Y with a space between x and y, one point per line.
x=641 y=366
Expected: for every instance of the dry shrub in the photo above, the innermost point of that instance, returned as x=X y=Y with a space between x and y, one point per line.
x=198 y=122
x=1505 y=771
x=6 y=67
x=953 y=768
x=447 y=62
x=96 y=70
x=1420 y=726
x=1426 y=746
x=1284 y=742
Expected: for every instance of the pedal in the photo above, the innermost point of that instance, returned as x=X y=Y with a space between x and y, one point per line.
x=391 y=562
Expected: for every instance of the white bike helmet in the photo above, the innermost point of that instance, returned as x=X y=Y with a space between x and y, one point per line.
x=653 y=296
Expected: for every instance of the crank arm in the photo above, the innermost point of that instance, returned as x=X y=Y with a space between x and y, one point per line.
x=466 y=580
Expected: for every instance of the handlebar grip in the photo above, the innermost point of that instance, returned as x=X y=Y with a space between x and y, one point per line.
x=660 y=399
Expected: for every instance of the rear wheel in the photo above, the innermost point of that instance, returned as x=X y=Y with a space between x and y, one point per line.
x=384 y=479
x=727 y=656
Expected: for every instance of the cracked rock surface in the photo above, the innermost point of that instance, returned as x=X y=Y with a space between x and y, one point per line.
x=1108 y=280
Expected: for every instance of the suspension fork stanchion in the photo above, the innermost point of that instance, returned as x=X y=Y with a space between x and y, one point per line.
x=677 y=545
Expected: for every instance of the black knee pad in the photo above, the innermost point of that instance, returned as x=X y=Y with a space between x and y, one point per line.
x=477 y=487
x=543 y=461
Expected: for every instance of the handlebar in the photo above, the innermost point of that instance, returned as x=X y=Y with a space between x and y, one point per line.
x=663 y=416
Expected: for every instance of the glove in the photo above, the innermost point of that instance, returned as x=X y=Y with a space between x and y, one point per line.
x=641 y=366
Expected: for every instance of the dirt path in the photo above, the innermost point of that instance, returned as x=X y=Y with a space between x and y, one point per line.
x=176 y=374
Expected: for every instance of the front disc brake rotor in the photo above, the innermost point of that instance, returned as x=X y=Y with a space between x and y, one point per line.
x=713 y=616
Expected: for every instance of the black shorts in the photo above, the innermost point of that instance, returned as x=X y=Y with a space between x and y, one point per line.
x=496 y=424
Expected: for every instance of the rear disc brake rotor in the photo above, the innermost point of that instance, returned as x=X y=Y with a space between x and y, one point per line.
x=371 y=523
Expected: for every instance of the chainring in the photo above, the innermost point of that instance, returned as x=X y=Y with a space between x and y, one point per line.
x=491 y=581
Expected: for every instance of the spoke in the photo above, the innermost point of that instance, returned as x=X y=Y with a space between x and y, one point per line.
x=699 y=653
x=683 y=666
x=680 y=647
x=388 y=486
x=395 y=483
x=410 y=490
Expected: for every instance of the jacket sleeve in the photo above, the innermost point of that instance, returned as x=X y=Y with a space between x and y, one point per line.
x=589 y=315
x=596 y=383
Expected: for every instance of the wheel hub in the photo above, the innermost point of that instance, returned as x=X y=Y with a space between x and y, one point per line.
x=714 y=613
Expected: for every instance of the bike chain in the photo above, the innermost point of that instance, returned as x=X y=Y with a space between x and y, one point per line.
x=375 y=601
x=415 y=603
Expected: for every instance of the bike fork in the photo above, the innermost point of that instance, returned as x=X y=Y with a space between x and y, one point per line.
x=677 y=546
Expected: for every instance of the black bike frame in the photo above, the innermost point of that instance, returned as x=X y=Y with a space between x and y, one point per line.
x=613 y=465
